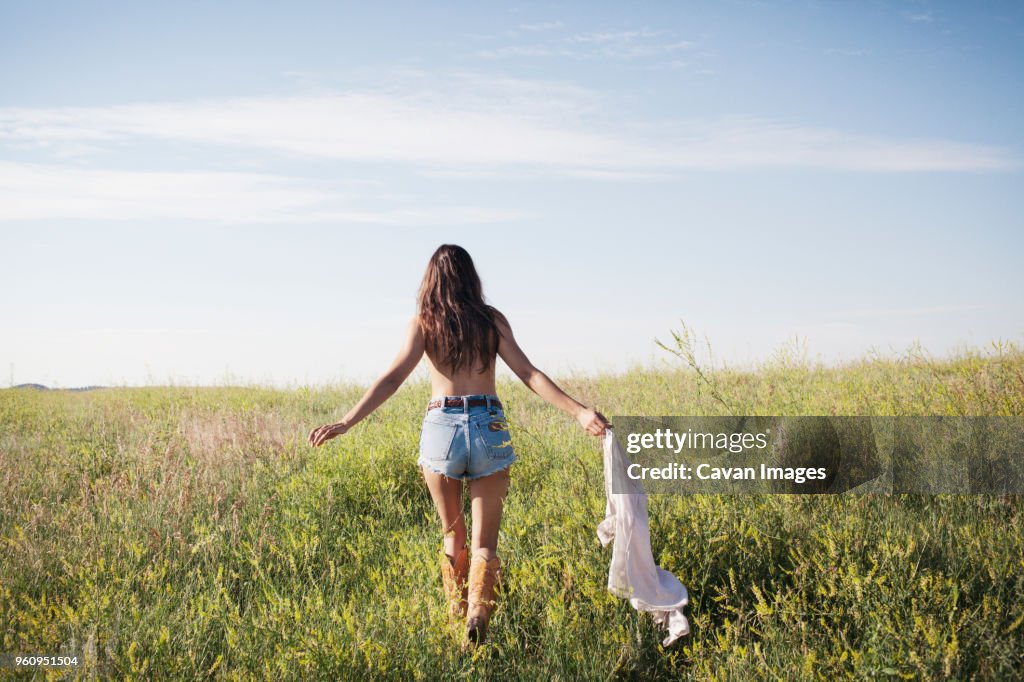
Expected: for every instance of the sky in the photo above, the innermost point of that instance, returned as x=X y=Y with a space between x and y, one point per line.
x=248 y=192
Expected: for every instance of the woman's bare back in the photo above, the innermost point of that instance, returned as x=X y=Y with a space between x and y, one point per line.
x=444 y=381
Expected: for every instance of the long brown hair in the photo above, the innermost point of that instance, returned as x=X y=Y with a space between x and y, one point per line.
x=458 y=326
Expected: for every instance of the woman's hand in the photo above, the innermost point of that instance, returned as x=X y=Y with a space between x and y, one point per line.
x=593 y=422
x=322 y=434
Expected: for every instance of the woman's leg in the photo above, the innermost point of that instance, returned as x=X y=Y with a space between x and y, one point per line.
x=487 y=495
x=447 y=495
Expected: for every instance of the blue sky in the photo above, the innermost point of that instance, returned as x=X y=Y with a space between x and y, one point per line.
x=248 y=192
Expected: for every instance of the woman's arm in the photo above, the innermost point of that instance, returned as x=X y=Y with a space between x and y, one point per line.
x=539 y=382
x=382 y=389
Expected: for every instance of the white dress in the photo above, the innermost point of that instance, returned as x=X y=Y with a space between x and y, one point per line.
x=633 y=574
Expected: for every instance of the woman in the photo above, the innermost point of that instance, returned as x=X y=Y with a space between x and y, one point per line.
x=464 y=436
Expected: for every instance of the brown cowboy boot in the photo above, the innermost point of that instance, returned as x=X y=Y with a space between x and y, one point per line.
x=453 y=578
x=484 y=578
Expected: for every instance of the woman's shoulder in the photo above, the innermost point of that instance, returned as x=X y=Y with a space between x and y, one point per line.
x=415 y=328
x=501 y=322
x=499 y=317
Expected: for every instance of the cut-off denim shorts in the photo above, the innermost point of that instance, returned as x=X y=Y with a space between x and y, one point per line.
x=466 y=442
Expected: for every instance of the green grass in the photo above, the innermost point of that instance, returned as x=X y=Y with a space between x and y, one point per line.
x=190 y=532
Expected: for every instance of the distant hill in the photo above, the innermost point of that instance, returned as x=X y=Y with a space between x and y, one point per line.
x=40 y=387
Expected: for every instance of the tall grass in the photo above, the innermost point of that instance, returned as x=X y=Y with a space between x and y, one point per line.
x=191 y=532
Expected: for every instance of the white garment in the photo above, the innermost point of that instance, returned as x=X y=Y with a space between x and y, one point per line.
x=633 y=574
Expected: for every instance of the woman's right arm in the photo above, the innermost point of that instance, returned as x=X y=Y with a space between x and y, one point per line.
x=382 y=389
x=592 y=421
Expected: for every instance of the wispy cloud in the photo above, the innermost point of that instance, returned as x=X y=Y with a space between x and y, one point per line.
x=541 y=26
x=632 y=44
x=920 y=17
x=43 y=191
x=493 y=125
x=848 y=51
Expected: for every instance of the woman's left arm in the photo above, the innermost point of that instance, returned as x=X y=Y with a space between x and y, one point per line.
x=382 y=389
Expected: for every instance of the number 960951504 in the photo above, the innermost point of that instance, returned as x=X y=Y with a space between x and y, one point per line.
x=20 y=661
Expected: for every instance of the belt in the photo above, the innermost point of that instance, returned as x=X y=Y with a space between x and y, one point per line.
x=458 y=402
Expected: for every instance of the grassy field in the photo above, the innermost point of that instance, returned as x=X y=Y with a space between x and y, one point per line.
x=191 y=532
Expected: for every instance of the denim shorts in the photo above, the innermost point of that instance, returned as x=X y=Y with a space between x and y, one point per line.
x=466 y=442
